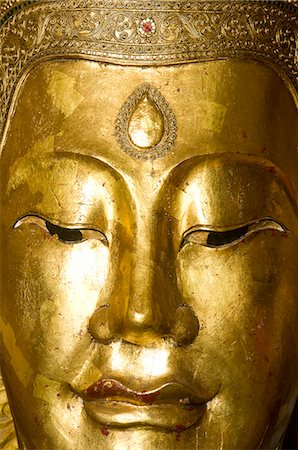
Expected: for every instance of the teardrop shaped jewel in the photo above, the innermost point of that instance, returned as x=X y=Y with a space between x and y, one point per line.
x=145 y=127
x=146 y=124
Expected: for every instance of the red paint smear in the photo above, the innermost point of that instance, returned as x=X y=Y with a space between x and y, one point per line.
x=263 y=149
x=179 y=428
x=105 y=431
x=272 y=169
x=112 y=388
x=261 y=337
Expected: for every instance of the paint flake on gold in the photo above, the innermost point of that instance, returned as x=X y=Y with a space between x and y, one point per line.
x=24 y=167
x=20 y=364
x=63 y=93
x=45 y=389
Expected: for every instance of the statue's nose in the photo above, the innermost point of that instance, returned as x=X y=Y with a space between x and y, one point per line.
x=146 y=304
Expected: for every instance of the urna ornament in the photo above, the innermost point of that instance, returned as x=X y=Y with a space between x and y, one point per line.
x=149 y=224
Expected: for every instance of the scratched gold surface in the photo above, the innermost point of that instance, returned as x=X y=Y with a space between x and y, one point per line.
x=143 y=299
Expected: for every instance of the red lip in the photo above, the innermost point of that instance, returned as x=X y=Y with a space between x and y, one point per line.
x=172 y=392
x=169 y=405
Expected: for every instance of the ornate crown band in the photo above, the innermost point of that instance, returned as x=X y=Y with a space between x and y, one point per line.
x=133 y=32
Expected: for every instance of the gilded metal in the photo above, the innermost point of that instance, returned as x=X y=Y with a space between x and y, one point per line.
x=183 y=31
x=149 y=224
x=7 y=431
x=146 y=125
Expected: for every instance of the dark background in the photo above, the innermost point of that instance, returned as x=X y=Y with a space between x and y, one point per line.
x=291 y=437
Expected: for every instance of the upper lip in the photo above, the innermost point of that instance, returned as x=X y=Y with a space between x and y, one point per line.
x=170 y=392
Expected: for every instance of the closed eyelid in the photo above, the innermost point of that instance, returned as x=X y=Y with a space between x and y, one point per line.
x=214 y=238
x=69 y=233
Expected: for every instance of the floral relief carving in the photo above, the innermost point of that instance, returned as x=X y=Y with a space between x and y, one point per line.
x=111 y=31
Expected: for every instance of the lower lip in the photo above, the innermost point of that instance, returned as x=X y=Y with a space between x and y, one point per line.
x=121 y=414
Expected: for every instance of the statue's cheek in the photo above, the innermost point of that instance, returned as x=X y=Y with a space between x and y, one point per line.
x=244 y=297
x=52 y=289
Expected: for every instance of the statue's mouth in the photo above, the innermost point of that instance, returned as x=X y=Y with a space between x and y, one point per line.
x=171 y=405
x=110 y=389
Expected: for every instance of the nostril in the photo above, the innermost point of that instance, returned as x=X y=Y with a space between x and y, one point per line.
x=100 y=325
x=184 y=329
x=186 y=326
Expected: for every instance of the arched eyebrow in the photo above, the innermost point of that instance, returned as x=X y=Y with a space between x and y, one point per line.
x=23 y=168
x=185 y=168
x=205 y=159
x=70 y=188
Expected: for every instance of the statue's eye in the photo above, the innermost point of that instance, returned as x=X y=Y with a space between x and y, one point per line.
x=220 y=239
x=64 y=234
x=68 y=235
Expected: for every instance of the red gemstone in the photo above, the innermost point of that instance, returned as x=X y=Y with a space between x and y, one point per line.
x=147 y=27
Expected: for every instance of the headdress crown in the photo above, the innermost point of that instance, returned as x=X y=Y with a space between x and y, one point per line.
x=136 y=32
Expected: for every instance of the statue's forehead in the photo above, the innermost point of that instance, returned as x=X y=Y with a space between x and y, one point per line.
x=199 y=93
x=219 y=107
x=212 y=77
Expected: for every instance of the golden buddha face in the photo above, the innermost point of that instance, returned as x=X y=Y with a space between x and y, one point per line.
x=150 y=301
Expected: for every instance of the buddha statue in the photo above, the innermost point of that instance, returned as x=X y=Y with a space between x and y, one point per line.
x=149 y=227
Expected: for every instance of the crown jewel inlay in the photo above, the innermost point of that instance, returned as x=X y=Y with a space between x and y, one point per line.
x=147 y=27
